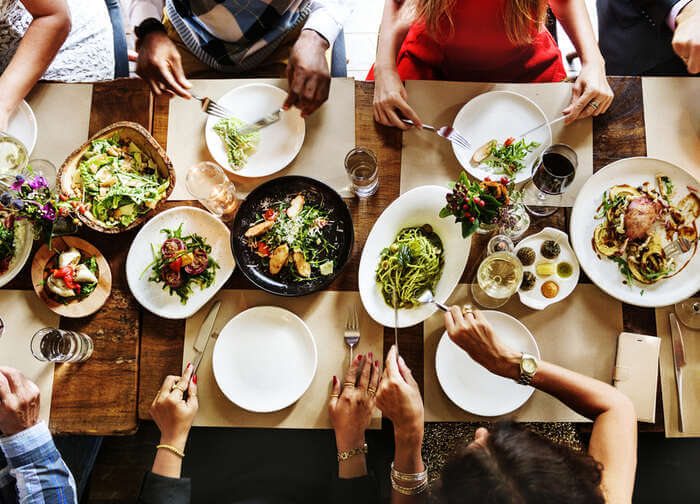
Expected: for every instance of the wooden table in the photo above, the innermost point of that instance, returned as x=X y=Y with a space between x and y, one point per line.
x=135 y=350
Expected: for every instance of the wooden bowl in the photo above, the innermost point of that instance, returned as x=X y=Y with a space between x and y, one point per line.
x=68 y=173
x=74 y=309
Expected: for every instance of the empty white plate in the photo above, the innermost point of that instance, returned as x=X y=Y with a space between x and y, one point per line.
x=23 y=126
x=470 y=385
x=264 y=359
x=279 y=143
x=498 y=115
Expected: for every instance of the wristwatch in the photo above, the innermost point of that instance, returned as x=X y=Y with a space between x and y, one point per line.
x=147 y=26
x=528 y=368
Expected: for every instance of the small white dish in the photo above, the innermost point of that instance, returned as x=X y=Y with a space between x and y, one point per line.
x=24 y=237
x=23 y=126
x=470 y=385
x=151 y=295
x=534 y=297
x=279 y=143
x=499 y=115
x=264 y=359
x=417 y=207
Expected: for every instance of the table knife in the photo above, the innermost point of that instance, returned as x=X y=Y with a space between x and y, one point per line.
x=200 y=344
x=678 y=363
x=553 y=121
x=261 y=123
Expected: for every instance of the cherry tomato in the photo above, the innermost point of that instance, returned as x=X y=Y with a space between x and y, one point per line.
x=62 y=197
x=176 y=264
x=509 y=141
x=270 y=214
x=263 y=249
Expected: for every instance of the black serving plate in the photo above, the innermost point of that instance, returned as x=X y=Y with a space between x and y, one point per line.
x=285 y=188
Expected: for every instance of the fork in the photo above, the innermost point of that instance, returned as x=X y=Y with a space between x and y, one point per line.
x=352 y=330
x=677 y=247
x=448 y=133
x=212 y=108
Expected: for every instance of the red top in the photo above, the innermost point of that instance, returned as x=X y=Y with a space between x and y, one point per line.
x=479 y=50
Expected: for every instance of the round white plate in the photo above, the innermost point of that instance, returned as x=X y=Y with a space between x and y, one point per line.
x=21 y=254
x=279 y=143
x=23 y=126
x=416 y=207
x=499 y=115
x=604 y=272
x=151 y=295
x=470 y=386
x=534 y=298
x=264 y=359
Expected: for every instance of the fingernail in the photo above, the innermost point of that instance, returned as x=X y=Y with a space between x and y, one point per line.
x=189 y=365
x=335 y=380
x=369 y=356
x=359 y=357
x=401 y=360
x=194 y=379
x=376 y=363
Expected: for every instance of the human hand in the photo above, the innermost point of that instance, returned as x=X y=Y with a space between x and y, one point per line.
x=389 y=97
x=308 y=74
x=591 y=94
x=159 y=63
x=473 y=333
x=351 y=408
x=686 y=38
x=19 y=402
x=171 y=412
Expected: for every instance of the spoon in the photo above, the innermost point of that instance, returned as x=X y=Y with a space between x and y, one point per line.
x=428 y=297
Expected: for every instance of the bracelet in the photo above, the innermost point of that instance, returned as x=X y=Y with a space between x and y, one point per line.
x=172 y=449
x=408 y=477
x=344 y=455
x=410 y=490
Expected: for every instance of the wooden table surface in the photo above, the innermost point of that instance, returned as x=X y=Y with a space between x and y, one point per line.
x=135 y=350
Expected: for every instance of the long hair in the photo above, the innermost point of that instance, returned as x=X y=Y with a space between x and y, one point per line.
x=522 y=18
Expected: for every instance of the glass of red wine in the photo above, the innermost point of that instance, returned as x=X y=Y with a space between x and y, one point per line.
x=551 y=177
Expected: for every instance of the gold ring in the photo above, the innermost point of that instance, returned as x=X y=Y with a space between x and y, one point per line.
x=467 y=308
x=335 y=395
x=371 y=390
x=177 y=387
x=349 y=384
x=593 y=104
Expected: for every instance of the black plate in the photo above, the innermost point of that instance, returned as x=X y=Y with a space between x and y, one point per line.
x=315 y=193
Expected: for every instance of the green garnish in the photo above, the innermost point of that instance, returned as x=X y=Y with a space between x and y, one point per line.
x=238 y=146
x=508 y=159
x=624 y=269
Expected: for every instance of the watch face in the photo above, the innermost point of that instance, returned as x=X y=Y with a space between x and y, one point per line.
x=529 y=366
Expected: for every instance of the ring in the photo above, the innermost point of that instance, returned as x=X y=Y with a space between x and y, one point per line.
x=371 y=390
x=349 y=384
x=593 y=104
x=335 y=395
x=467 y=308
x=177 y=387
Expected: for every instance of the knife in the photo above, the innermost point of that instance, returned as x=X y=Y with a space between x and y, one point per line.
x=678 y=362
x=200 y=344
x=396 y=321
x=261 y=123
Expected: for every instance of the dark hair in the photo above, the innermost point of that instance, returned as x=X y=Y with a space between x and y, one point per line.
x=517 y=466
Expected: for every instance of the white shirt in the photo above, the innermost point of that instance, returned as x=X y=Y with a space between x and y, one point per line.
x=673 y=13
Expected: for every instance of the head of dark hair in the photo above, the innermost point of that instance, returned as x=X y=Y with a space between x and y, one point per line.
x=516 y=466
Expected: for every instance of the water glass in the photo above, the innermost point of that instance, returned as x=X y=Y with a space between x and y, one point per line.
x=208 y=183
x=43 y=168
x=551 y=177
x=361 y=166
x=57 y=345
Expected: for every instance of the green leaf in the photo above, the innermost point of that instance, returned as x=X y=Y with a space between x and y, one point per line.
x=445 y=212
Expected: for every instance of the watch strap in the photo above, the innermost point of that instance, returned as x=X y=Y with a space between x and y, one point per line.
x=525 y=377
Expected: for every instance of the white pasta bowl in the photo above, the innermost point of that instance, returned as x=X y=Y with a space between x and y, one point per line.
x=415 y=208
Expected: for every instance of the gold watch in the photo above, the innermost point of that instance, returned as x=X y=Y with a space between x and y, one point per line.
x=528 y=368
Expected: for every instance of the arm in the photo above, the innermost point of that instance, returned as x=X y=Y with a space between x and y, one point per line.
x=686 y=36
x=614 y=438
x=39 y=46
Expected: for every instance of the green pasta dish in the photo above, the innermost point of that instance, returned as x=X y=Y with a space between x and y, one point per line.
x=238 y=147
x=411 y=264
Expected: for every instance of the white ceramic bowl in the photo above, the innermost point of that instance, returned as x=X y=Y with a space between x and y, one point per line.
x=21 y=253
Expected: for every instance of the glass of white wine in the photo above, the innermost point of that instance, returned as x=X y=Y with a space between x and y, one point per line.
x=498 y=278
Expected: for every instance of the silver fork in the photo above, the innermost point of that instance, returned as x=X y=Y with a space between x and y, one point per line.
x=677 y=247
x=448 y=133
x=212 y=108
x=352 y=330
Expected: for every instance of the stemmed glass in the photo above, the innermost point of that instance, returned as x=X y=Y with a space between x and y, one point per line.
x=550 y=179
x=688 y=312
x=208 y=183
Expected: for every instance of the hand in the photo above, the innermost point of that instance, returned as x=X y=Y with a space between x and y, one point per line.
x=172 y=413
x=390 y=99
x=19 y=402
x=473 y=333
x=159 y=63
x=590 y=88
x=307 y=73
x=399 y=399
x=686 y=38
x=351 y=412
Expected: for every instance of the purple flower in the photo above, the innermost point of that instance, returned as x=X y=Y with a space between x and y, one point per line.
x=48 y=212
x=38 y=182
x=17 y=184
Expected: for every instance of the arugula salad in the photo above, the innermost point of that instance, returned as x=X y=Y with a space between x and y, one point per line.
x=505 y=158
x=118 y=182
x=238 y=147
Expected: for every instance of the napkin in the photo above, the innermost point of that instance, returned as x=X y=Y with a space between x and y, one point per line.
x=428 y=159
x=672 y=120
x=325 y=313
x=578 y=333
x=691 y=377
x=330 y=134
x=24 y=314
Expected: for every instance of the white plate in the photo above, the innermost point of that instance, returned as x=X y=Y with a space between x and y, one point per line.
x=151 y=294
x=23 y=126
x=500 y=115
x=473 y=388
x=279 y=143
x=264 y=359
x=416 y=207
x=21 y=254
x=534 y=298
x=604 y=272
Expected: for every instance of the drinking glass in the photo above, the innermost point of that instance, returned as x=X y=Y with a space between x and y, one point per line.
x=361 y=166
x=688 y=312
x=57 y=345
x=14 y=156
x=208 y=183
x=499 y=276
x=551 y=178
x=2 y=327
x=43 y=168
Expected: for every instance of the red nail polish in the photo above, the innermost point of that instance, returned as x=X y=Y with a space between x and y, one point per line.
x=194 y=379
x=335 y=380
x=189 y=365
x=359 y=357
x=376 y=363
x=369 y=356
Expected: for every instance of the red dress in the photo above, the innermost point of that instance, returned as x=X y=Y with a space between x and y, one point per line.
x=478 y=51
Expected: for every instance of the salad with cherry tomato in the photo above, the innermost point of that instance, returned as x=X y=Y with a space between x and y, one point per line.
x=505 y=158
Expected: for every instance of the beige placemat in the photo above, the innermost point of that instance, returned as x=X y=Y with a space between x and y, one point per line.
x=330 y=134
x=24 y=314
x=672 y=120
x=691 y=377
x=427 y=159
x=579 y=333
x=63 y=117
x=325 y=314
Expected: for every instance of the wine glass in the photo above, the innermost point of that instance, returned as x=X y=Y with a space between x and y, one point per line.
x=550 y=179
x=208 y=183
x=688 y=312
x=499 y=277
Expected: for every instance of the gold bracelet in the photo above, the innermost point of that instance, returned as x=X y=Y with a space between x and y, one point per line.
x=408 y=477
x=344 y=455
x=410 y=490
x=172 y=449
